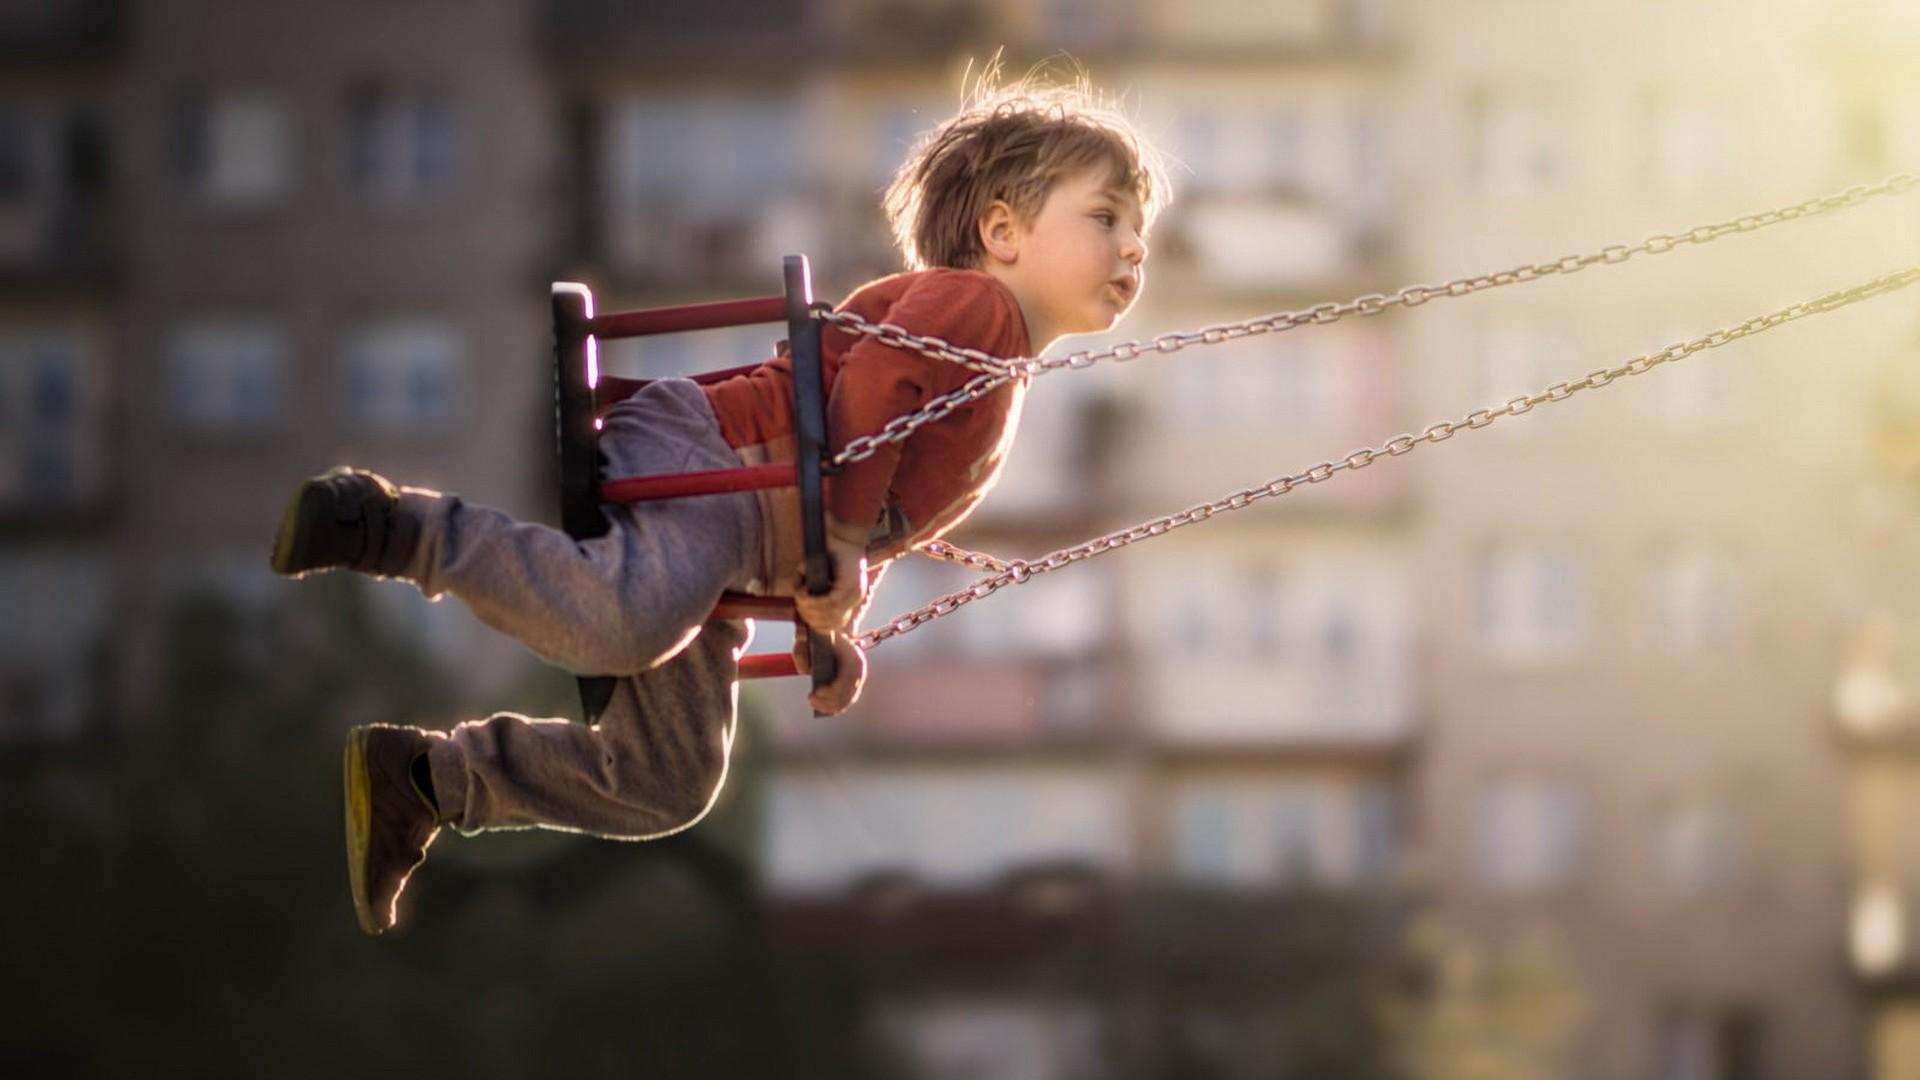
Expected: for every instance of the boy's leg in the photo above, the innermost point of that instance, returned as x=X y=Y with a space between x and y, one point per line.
x=614 y=605
x=651 y=766
x=619 y=603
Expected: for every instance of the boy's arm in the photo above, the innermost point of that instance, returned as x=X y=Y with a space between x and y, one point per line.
x=877 y=383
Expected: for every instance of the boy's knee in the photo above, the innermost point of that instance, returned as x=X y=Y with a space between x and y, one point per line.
x=669 y=800
x=622 y=645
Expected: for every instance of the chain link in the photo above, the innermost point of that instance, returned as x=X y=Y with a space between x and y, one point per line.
x=1018 y=571
x=993 y=373
x=972 y=560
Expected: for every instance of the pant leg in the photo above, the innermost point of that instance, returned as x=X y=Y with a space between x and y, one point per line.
x=620 y=603
x=653 y=765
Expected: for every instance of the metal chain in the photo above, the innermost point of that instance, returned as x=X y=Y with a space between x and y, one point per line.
x=1019 y=571
x=994 y=372
x=972 y=560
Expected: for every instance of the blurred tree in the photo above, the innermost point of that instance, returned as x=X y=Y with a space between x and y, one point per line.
x=179 y=903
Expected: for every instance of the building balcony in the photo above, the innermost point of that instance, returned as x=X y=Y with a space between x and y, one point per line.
x=1061 y=910
x=962 y=706
x=1041 y=912
x=1180 y=927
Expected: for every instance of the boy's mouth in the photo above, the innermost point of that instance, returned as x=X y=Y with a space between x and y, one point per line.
x=1125 y=288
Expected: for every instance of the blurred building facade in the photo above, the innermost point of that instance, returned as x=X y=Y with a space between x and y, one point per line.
x=239 y=248
x=1874 y=708
x=1166 y=812
x=1636 y=603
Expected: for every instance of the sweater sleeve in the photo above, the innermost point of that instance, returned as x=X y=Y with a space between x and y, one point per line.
x=877 y=382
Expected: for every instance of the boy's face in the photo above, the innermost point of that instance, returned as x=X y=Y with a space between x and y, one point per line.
x=1079 y=264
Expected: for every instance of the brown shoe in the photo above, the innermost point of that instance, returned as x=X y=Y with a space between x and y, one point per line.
x=344 y=519
x=390 y=822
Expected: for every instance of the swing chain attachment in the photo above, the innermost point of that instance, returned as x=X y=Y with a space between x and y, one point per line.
x=1018 y=572
x=992 y=372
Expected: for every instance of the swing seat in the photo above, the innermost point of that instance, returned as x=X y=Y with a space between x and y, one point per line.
x=582 y=396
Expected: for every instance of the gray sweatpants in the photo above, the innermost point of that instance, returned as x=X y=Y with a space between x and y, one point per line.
x=632 y=604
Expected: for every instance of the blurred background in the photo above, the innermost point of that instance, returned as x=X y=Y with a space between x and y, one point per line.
x=1585 y=746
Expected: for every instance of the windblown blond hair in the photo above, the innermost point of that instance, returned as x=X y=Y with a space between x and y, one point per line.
x=1012 y=143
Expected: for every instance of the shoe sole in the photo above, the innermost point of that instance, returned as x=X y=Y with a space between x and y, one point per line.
x=359 y=814
x=288 y=552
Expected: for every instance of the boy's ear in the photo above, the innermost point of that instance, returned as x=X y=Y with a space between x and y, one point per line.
x=1000 y=232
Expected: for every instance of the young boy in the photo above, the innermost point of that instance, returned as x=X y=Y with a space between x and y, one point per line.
x=1021 y=220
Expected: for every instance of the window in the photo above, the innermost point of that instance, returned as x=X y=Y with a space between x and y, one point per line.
x=1684 y=143
x=1290 y=833
x=57 y=608
x=894 y=134
x=1256 y=384
x=226 y=375
x=53 y=168
x=1204 y=826
x=1696 y=600
x=949 y=827
x=403 y=375
x=1261 y=587
x=1697 y=394
x=1222 y=610
x=1062 y=615
x=1519 y=357
x=1708 y=1044
x=234 y=149
x=1368 y=184
x=16 y=154
x=1700 y=391
x=719 y=154
x=1530 y=833
x=48 y=441
x=1510 y=145
x=1243 y=151
x=400 y=147
x=1698 y=848
x=1378 y=832
x=1531 y=603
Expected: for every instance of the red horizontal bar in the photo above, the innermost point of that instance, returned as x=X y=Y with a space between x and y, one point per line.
x=736 y=605
x=768 y=665
x=672 y=320
x=710 y=482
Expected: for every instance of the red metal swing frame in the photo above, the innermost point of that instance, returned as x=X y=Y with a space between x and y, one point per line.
x=582 y=395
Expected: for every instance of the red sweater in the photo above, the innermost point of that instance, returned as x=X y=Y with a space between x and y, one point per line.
x=906 y=493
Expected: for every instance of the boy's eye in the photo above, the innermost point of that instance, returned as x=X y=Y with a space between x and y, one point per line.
x=1105 y=218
